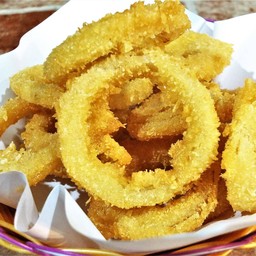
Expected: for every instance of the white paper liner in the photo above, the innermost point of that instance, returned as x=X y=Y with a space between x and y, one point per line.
x=61 y=221
x=241 y=32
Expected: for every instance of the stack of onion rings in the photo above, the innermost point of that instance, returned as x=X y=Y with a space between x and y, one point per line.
x=133 y=116
x=142 y=188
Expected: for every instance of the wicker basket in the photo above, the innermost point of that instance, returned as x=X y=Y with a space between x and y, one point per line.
x=21 y=243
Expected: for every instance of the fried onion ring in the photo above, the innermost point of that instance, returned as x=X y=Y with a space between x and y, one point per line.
x=239 y=157
x=15 y=109
x=132 y=93
x=144 y=24
x=29 y=160
x=170 y=218
x=159 y=116
x=205 y=56
x=31 y=85
x=142 y=188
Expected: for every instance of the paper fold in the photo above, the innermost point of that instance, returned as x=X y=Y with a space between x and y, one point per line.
x=61 y=221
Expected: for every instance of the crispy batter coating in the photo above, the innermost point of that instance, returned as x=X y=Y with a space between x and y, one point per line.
x=239 y=157
x=15 y=109
x=183 y=214
x=139 y=123
x=37 y=160
x=132 y=93
x=159 y=116
x=31 y=85
x=224 y=101
x=102 y=124
x=223 y=208
x=39 y=131
x=205 y=56
x=162 y=114
x=144 y=25
x=143 y=188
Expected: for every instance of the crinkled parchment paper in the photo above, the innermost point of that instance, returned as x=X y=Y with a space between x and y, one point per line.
x=60 y=221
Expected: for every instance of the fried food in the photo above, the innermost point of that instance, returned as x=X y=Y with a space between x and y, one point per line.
x=15 y=109
x=239 y=158
x=143 y=188
x=152 y=24
x=223 y=208
x=224 y=101
x=128 y=109
x=147 y=155
x=31 y=85
x=132 y=93
x=36 y=162
x=183 y=214
x=159 y=116
x=205 y=56
x=102 y=124
x=153 y=117
x=39 y=131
